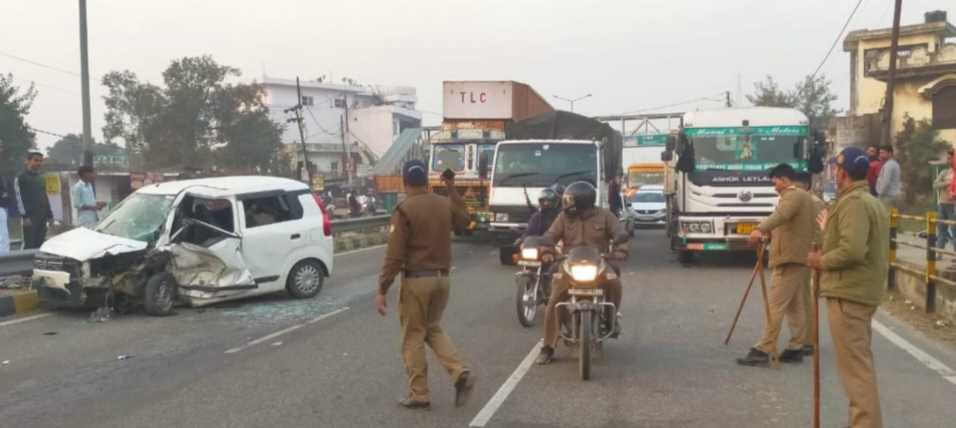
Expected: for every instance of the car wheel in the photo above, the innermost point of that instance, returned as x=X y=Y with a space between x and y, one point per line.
x=305 y=280
x=159 y=293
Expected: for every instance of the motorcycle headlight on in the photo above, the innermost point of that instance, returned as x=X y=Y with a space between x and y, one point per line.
x=529 y=253
x=584 y=273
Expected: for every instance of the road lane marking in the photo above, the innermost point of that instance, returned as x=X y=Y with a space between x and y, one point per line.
x=25 y=319
x=927 y=360
x=285 y=331
x=499 y=398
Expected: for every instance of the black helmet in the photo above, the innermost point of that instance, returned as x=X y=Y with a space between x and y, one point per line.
x=558 y=188
x=579 y=197
x=549 y=197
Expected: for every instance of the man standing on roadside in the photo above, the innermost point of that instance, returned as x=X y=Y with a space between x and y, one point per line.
x=888 y=185
x=419 y=248
x=32 y=202
x=854 y=264
x=946 y=208
x=873 y=174
x=84 y=200
x=791 y=227
x=805 y=181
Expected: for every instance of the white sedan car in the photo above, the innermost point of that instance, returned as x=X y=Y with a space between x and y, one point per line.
x=650 y=206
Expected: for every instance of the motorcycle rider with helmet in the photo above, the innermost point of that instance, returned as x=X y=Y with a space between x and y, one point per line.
x=580 y=224
x=549 y=206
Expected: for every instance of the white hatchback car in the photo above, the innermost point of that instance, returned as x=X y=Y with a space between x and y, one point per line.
x=203 y=241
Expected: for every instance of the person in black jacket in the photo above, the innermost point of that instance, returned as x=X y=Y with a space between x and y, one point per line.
x=32 y=202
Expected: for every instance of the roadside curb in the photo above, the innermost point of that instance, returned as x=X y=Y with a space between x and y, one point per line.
x=14 y=302
x=358 y=242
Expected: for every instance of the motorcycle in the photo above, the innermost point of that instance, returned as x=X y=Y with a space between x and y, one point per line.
x=533 y=281
x=587 y=325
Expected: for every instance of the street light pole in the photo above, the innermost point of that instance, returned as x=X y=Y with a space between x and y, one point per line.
x=573 y=100
x=85 y=77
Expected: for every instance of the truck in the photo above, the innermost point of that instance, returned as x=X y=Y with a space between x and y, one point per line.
x=475 y=117
x=642 y=161
x=557 y=147
x=716 y=180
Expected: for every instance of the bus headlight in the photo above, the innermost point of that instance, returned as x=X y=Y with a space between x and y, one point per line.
x=706 y=228
x=501 y=216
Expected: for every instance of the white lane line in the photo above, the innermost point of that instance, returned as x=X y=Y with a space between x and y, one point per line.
x=499 y=398
x=360 y=250
x=285 y=331
x=25 y=319
x=927 y=360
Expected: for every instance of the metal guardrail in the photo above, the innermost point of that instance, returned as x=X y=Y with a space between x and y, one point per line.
x=20 y=262
x=930 y=278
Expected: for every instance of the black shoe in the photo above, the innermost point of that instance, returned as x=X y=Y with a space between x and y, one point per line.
x=755 y=357
x=807 y=350
x=791 y=356
x=463 y=388
x=545 y=356
x=409 y=403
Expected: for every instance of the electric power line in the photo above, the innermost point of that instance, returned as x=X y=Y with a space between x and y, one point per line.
x=50 y=67
x=309 y=108
x=42 y=85
x=858 y=3
x=670 y=105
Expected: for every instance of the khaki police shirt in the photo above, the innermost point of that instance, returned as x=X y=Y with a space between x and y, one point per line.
x=419 y=236
x=791 y=226
x=593 y=228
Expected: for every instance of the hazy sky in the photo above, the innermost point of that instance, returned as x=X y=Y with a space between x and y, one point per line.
x=631 y=54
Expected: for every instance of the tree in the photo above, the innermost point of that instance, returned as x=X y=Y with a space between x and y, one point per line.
x=67 y=150
x=917 y=144
x=812 y=96
x=17 y=137
x=769 y=94
x=179 y=125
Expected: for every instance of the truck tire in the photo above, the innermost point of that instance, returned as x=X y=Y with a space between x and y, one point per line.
x=159 y=294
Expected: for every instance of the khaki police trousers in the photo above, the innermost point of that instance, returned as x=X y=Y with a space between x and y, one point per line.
x=559 y=293
x=852 y=334
x=806 y=300
x=421 y=303
x=786 y=300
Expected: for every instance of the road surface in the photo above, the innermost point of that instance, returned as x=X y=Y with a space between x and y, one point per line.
x=333 y=362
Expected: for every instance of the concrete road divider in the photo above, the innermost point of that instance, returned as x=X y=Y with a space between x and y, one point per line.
x=14 y=302
x=355 y=241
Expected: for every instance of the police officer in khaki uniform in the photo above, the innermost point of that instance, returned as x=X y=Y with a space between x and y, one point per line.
x=854 y=264
x=419 y=248
x=805 y=181
x=581 y=223
x=791 y=227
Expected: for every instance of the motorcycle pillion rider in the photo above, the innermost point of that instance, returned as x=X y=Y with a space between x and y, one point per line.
x=580 y=223
x=549 y=206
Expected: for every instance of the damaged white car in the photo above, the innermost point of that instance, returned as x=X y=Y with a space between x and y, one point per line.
x=199 y=241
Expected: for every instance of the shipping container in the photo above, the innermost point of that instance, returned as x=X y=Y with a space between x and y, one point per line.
x=482 y=100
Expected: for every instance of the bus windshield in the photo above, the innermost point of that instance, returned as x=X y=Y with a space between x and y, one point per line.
x=642 y=177
x=726 y=148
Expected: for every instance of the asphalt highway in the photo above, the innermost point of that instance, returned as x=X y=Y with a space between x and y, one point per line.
x=333 y=362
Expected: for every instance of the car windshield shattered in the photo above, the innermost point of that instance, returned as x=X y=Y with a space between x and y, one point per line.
x=140 y=217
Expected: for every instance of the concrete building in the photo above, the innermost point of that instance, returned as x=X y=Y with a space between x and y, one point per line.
x=376 y=116
x=925 y=80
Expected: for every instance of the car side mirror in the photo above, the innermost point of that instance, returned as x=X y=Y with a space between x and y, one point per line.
x=671 y=144
x=667 y=156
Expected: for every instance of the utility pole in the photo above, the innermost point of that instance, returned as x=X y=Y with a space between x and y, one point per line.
x=891 y=81
x=344 y=124
x=297 y=108
x=85 y=77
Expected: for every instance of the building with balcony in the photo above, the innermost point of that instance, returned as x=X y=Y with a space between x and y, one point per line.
x=338 y=118
x=925 y=80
